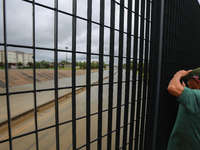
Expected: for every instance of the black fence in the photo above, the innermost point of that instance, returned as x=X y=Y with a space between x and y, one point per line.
x=176 y=47
x=143 y=42
x=123 y=42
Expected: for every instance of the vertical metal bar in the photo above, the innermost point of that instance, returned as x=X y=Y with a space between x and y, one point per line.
x=120 y=71
x=110 y=97
x=147 y=142
x=121 y=43
x=34 y=78
x=172 y=31
x=6 y=75
x=100 y=93
x=145 y=76
x=167 y=36
x=134 y=74
x=137 y=128
x=89 y=17
x=178 y=28
x=162 y=126
x=128 y=55
x=165 y=39
x=74 y=75
x=56 y=71
x=156 y=57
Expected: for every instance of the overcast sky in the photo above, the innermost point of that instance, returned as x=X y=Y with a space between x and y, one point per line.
x=19 y=28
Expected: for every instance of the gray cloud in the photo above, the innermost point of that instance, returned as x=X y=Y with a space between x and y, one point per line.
x=18 y=22
x=19 y=27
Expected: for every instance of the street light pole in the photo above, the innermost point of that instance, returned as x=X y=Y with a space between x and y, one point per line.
x=66 y=54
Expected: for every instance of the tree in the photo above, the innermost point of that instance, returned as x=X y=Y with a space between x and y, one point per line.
x=68 y=62
x=62 y=63
x=2 y=65
x=124 y=65
x=37 y=64
x=131 y=65
x=94 y=65
x=104 y=65
x=42 y=63
x=30 y=64
x=20 y=64
x=83 y=65
x=46 y=64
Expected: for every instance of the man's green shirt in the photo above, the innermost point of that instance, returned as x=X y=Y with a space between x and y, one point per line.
x=186 y=132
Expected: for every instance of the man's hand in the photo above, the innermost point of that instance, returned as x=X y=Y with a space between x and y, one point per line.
x=182 y=73
x=175 y=87
x=183 y=84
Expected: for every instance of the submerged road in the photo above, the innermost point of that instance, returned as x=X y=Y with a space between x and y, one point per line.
x=47 y=138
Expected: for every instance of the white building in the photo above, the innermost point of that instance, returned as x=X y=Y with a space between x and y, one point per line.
x=16 y=56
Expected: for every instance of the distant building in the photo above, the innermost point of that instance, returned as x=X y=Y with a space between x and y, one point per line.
x=16 y=56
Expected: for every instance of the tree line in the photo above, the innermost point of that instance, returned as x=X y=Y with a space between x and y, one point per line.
x=42 y=64
x=94 y=65
x=131 y=65
x=46 y=64
x=83 y=65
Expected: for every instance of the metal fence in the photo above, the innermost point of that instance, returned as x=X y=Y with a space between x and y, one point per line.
x=144 y=42
x=123 y=42
x=176 y=47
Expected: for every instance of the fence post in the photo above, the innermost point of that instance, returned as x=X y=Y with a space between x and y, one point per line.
x=155 y=73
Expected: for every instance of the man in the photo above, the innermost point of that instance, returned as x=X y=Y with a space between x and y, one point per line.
x=186 y=132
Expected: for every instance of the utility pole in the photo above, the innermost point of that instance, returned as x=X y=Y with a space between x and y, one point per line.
x=66 y=54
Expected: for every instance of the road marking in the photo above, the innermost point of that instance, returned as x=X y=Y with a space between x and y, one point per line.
x=40 y=119
x=22 y=110
x=29 y=124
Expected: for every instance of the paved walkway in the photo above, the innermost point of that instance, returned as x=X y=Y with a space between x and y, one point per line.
x=21 y=103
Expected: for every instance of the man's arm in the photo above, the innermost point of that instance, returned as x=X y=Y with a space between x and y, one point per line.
x=175 y=87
